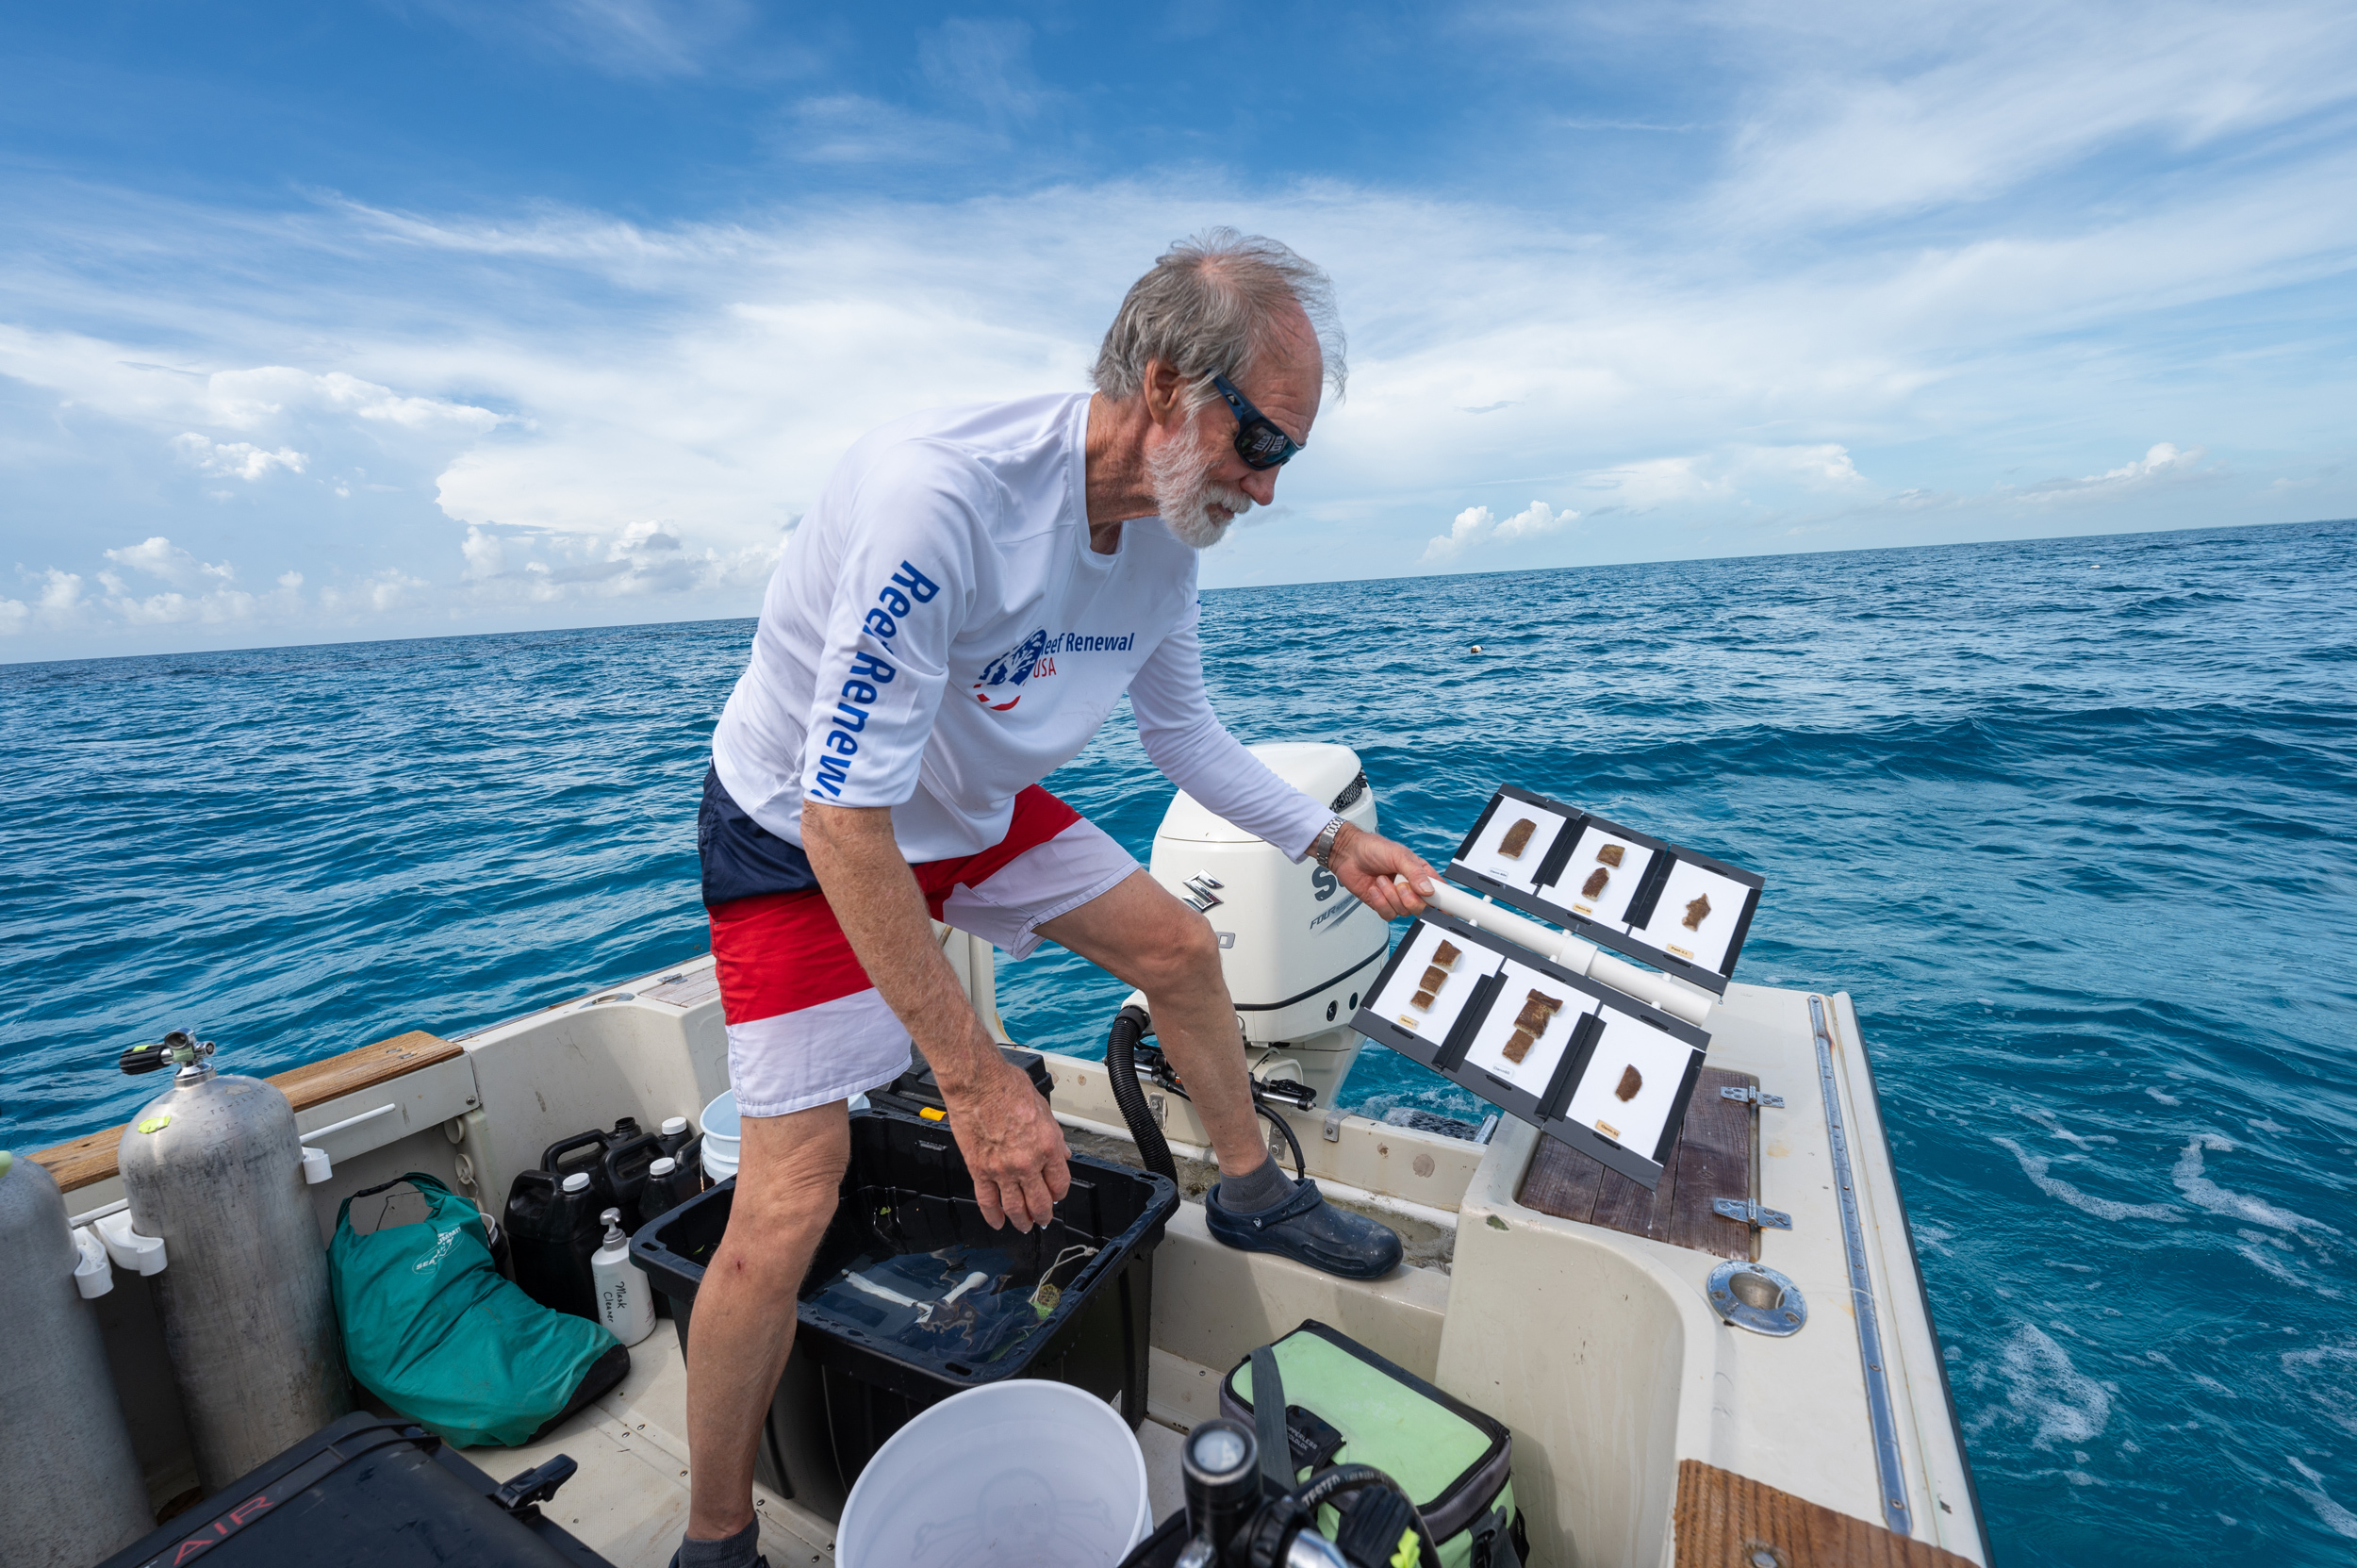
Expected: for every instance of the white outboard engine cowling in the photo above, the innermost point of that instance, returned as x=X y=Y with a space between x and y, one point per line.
x=1298 y=951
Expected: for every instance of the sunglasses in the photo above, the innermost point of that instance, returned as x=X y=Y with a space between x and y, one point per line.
x=1259 y=443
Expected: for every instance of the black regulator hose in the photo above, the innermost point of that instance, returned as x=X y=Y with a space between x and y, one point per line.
x=1327 y=1484
x=1129 y=1026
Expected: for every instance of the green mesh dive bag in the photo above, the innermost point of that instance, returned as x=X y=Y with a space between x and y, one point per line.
x=1346 y=1405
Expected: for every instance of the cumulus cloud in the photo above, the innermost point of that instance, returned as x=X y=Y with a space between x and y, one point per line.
x=235 y=459
x=1476 y=525
x=2163 y=463
x=160 y=558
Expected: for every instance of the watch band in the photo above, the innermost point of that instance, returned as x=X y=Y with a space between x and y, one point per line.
x=1322 y=847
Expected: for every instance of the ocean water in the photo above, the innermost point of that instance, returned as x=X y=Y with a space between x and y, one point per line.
x=2075 y=821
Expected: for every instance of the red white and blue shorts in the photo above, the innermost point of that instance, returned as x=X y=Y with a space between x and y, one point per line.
x=805 y=1025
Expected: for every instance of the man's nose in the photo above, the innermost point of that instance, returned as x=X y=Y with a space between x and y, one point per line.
x=1260 y=485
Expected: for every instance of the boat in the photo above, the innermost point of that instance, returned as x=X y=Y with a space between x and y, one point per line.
x=1736 y=1365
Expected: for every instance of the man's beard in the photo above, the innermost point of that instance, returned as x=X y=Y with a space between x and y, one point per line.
x=1186 y=495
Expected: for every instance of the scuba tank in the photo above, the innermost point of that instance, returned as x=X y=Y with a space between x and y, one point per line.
x=552 y=1231
x=215 y=1168
x=625 y=1295
x=74 y=1492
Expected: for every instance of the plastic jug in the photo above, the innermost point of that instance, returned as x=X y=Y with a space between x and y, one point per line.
x=552 y=1233
x=668 y=1186
x=587 y=1152
x=625 y=1296
x=625 y=1169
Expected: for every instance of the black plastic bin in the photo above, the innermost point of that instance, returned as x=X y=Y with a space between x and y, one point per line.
x=368 y=1493
x=907 y=1177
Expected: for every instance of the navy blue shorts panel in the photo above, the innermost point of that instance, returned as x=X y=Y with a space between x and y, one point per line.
x=741 y=858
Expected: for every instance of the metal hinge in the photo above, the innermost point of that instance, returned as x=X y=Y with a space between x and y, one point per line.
x=1200 y=894
x=1751 y=1213
x=1746 y=1095
x=1333 y=1129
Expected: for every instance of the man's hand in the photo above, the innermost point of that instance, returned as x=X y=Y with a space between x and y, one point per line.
x=1012 y=1146
x=1365 y=863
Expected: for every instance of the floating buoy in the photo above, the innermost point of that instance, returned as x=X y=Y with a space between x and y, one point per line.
x=1476 y=648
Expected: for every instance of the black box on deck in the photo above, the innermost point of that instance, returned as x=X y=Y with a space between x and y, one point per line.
x=1094 y=1336
x=363 y=1493
x=916 y=1091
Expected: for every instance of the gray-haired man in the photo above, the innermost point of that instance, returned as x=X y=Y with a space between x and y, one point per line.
x=954 y=619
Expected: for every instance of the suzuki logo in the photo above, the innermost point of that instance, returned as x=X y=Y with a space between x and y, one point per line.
x=1200 y=894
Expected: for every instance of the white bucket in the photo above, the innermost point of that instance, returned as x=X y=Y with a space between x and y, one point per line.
x=722 y=1131
x=1022 y=1473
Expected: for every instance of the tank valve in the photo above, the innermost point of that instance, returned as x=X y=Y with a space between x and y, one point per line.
x=178 y=1046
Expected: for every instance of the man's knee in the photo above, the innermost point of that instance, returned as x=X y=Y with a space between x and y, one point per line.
x=788 y=1185
x=1185 y=953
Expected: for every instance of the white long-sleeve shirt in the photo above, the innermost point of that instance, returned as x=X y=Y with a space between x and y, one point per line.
x=939 y=635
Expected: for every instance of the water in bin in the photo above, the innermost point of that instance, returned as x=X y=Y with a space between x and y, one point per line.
x=944 y=1285
x=1068 y=1490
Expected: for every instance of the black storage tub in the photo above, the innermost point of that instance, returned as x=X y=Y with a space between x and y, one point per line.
x=1094 y=1338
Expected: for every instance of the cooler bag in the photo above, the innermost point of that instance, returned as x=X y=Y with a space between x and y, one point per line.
x=1346 y=1405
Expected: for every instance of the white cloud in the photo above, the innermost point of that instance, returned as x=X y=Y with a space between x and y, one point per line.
x=235 y=460
x=1475 y=527
x=2162 y=464
x=160 y=558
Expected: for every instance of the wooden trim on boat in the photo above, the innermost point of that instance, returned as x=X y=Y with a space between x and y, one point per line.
x=1724 y=1520
x=1714 y=1158
x=83 y=1161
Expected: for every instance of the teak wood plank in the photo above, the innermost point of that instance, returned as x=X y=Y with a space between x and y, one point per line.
x=1724 y=1520
x=91 y=1158
x=1714 y=1160
x=1561 y=1182
x=1711 y=1158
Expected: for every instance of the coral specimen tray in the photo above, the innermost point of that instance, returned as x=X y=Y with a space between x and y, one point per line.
x=1654 y=902
x=1599 y=1070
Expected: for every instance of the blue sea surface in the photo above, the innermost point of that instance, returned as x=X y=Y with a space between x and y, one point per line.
x=2075 y=820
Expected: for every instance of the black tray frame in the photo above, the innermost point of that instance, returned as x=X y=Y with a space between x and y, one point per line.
x=1542 y=1111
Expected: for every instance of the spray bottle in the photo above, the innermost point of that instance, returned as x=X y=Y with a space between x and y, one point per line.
x=625 y=1298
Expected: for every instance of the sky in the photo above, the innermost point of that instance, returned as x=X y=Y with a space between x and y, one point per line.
x=406 y=318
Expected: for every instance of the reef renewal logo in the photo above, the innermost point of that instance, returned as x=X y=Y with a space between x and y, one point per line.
x=1009 y=669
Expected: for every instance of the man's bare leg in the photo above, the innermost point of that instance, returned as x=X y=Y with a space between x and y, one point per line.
x=1137 y=931
x=789 y=1171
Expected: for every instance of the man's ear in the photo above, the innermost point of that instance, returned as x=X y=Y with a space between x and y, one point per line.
x=1163 y=386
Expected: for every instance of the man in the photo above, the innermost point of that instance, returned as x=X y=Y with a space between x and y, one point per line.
x=970 y=595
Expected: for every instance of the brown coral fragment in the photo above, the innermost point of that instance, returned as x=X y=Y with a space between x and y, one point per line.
x=1518 y=1045
x=1631 y=1080
x=1433 y=977
x=1517 y=838
x=1447 y=955
x=1537 y=1010
x=1594 y=884
x=1421 y=1000
x=1697 y=911
x=1611 y=854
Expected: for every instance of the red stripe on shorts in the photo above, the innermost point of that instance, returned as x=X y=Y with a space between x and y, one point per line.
x=781 y=952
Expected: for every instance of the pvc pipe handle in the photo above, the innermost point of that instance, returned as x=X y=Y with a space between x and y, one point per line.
x=1572 y=952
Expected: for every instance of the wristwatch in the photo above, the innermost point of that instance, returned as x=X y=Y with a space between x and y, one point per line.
x=1322 y=847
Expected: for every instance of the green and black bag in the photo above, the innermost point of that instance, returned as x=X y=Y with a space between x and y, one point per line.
x=1346 y=1405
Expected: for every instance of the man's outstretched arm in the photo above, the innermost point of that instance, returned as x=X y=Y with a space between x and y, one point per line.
x=1012 y=1144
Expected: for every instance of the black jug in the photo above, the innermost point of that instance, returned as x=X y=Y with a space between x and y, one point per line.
x=587 y=1152
x=552 y=1233
x=665 y=1190
x=625 y=1168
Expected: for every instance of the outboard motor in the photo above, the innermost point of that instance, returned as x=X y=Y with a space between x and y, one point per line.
x=1298 y=951
x=215 y=1168
x=74 y=1494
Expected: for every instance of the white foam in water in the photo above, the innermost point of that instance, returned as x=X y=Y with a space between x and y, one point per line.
x=2338 y=1400
x=2336 y=1518
x=2034 y=1166
x=2046 y=1393
x=2200 y=1190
